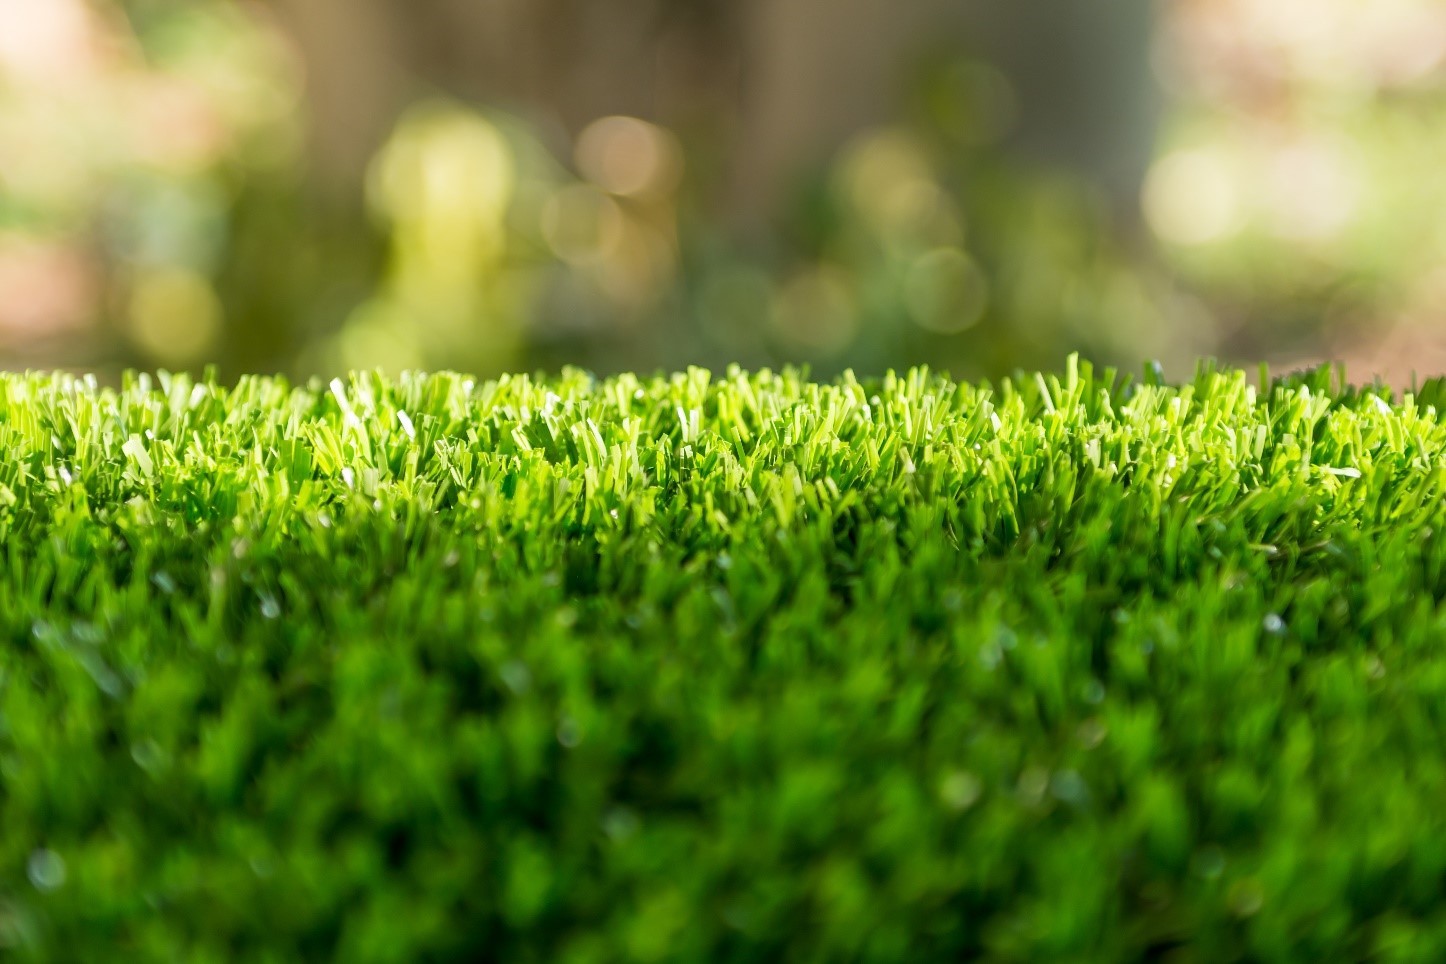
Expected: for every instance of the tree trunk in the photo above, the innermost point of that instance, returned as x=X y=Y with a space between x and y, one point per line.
x=786 y=82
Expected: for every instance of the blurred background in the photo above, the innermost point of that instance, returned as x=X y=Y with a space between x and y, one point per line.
x=306 y=186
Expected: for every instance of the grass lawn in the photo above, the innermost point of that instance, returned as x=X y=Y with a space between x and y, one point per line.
x=739 y=668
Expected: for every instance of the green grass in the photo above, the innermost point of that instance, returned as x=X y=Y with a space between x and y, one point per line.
x=735 y=669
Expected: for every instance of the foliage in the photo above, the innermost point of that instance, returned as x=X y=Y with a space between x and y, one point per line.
x=741 y=668
x=1294 y=189
x=176 y=188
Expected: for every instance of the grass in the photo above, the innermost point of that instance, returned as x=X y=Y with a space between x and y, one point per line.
x=732 y=669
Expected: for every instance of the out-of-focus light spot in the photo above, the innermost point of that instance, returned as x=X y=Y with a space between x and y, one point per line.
x=375 y=337
x=1245 y=897
x=1314 y=194
x=960 y=790
x=445 y=181
x=629 y=157
x=181 y=130
x=887 y=178
x=815 y=311
x=172 y=221
x=174 y=315
x=38 y=164
x=1190 y=197
x=46 y=869
x=446 y=167
x=261 y=79
x=44 y=289
x=47 y=41
x=946 y=291
x=921 y=212
x=582 y=224
x=1292 y=23
x=1404 y=46
x=638 y=266
x=984 y=103
x=1228 y=48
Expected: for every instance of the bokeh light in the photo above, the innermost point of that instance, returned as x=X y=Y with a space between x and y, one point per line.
x=174 y=315
x=167 y=197
x=946 y=291
x=629 y=156
x=582 y=224
x=1193 y=197
x=814 y=311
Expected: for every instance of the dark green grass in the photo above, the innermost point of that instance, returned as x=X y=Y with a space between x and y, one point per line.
x=738 y=669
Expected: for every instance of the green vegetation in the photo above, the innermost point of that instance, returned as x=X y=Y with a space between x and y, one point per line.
x=722 y=669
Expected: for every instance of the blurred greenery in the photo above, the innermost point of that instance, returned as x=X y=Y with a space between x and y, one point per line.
x=159 y=206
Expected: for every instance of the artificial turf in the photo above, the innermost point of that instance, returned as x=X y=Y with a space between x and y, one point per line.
x=732 y=668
